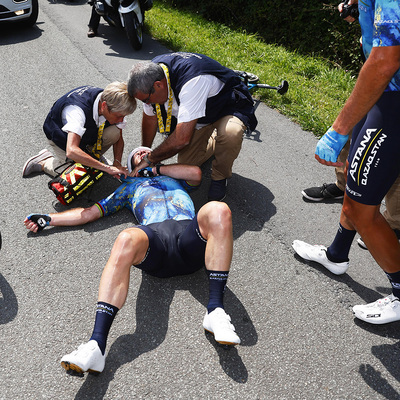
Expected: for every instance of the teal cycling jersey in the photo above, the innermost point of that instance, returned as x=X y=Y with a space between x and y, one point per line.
x=380 y=21
x=151 y=200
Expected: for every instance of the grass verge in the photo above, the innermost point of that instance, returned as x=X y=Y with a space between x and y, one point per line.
x=316 y=93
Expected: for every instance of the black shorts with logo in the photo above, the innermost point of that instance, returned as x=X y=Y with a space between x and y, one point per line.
x=374 y=157
x=175 y=248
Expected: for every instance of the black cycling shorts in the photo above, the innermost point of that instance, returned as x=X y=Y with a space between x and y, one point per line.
x=374 y=157
x=175 y=248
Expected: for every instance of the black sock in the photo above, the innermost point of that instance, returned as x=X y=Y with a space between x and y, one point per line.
x=338 y=251
x=217 y=283
x=394 y=279
x=105 y=314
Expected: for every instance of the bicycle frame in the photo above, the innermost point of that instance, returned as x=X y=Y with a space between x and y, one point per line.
x=281 y=89
x=251 y=81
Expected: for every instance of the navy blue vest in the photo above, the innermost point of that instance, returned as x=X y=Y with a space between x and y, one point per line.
x=83 y=97
x=234 y=98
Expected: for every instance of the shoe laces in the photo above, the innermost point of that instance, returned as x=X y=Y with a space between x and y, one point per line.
x=387 y=300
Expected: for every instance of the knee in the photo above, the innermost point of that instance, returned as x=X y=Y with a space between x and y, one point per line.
x=125 y=236
x=220 y=215
x=131 y=246
x=125 y=242
x=358 y=214
x=231 y=129
x=111 y=135
x=234 y=136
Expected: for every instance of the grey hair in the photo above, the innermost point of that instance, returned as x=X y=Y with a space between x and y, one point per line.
x=117 y=98
x=142 y=76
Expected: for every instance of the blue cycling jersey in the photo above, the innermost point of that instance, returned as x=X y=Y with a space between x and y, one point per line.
x=380 y=21
x=151 y=199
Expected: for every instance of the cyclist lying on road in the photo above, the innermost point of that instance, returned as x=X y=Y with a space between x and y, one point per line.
x=171 y=240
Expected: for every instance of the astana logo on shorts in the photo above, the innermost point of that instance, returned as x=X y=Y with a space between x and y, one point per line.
x=365 y=155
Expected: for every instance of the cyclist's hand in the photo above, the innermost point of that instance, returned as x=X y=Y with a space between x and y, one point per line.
x=37 y=222
x=329 y=147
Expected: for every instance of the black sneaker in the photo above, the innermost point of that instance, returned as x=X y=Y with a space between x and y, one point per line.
x=328 y=191
x=217 y=191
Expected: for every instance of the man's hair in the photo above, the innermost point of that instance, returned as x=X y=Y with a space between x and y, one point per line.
x=117 y=98
x=142 y=76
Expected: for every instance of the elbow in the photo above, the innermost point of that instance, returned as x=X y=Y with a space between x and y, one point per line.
x=198 y=175
x=70 y=153
x=182 y=141
x=182 y=144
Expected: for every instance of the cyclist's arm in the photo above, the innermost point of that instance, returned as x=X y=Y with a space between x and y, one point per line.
x=76 y=216
x=73 y=217
x=374 y=77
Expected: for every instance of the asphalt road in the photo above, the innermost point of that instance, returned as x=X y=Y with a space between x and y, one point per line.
x=299 y=337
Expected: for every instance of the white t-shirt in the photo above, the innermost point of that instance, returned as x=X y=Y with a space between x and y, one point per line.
x=193 y=97
x=74 y=118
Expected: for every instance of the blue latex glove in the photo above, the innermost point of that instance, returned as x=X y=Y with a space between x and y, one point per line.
x=330 y=145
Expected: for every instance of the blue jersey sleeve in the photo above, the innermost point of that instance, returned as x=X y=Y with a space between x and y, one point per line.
x=120 y=198
x=386 y=23
x=380 y=21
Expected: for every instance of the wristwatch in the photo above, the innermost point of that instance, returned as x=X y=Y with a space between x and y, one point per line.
x=146 y=158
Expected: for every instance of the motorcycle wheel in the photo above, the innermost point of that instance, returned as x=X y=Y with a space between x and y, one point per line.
x=133 y=30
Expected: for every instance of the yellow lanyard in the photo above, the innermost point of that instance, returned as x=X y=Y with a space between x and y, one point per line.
x=97 y=147
x=167 y=129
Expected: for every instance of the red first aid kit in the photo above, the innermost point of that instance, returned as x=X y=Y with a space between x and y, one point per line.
x=73 y=181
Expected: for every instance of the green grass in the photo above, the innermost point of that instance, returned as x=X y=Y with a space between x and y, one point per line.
x=316 y=93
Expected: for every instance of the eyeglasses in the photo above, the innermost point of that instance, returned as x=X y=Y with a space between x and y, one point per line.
x=147 y=99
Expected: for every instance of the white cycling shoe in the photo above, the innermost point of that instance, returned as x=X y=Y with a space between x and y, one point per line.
x=379 y=312
x=88 y=358
x=317 y=253
x=218 y=322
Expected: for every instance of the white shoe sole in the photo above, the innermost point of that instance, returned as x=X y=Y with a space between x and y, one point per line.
x=222 y=341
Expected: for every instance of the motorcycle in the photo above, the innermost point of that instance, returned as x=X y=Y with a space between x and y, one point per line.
x=125 y=14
